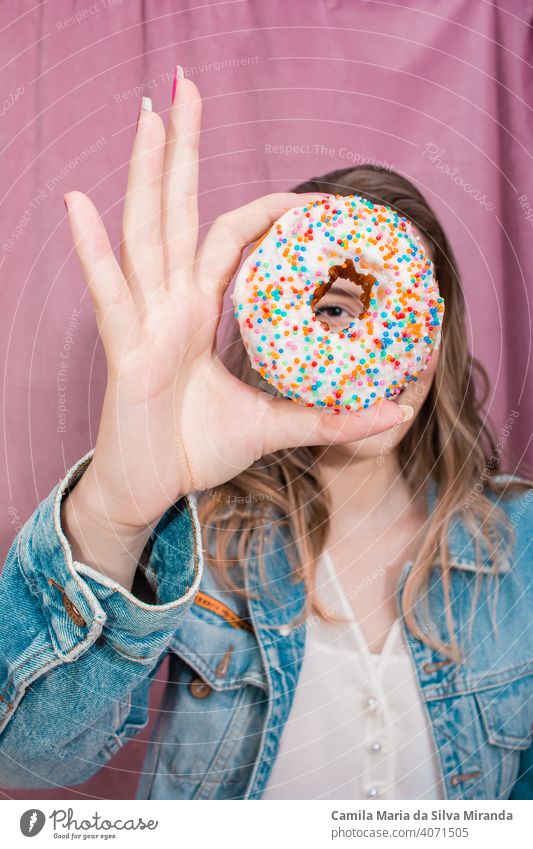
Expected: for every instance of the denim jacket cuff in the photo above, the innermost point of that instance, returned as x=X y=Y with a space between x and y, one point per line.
x=81 y=603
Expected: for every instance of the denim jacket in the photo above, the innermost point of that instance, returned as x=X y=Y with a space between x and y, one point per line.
x=78 y=653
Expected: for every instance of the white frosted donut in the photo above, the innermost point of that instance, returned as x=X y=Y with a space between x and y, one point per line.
x=295 y=263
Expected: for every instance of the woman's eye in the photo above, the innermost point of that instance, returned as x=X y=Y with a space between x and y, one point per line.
x=334 y=316
x=332 y=312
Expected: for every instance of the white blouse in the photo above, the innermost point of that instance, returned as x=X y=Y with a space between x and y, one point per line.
x=357 y=728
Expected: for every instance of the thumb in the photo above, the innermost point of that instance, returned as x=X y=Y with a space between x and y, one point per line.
x=289 y=425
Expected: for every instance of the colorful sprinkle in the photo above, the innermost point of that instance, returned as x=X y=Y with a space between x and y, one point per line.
x=383 y=349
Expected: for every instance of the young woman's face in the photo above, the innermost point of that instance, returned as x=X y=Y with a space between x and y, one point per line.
x=337 y=308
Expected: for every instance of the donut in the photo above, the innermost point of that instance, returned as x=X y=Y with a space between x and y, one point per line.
x=293 y=265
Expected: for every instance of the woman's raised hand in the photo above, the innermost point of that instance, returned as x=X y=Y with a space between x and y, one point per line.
x=174 y=419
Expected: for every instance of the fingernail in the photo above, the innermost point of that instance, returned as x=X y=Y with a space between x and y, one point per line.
x=407 y=412
x=65 y=202
x=178 y=75
x=146 y=106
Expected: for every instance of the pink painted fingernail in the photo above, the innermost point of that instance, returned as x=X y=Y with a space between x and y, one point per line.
x=178 y=75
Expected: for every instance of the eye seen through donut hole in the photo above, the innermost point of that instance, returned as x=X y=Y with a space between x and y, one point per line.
x=342 y=298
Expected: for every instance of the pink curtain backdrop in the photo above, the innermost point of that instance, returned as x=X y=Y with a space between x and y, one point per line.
x=439 y=91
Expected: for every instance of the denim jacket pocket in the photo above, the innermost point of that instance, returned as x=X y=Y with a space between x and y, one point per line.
x=507 y=713
x=506 y=716
x=225 y=656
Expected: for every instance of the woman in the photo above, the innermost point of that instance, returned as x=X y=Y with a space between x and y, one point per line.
x=357 y=625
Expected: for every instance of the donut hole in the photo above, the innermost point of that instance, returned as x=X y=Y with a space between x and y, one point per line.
x=360 y=295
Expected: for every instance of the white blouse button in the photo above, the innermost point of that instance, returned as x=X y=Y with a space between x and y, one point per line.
x=373 y=792
x=375 y=746
x=371 y=703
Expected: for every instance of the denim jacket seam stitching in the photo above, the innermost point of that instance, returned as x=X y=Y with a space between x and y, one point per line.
x=11 y=683
x=437 y=696
x=55 y=661
x=168 y=607
x=517 y=675
x=49 y=609
x=19 y=694
x=507 y=738
x=57 y=655
x=200 y=666
x=258 y=768
x=20 y=690
x=512 y=738
x=138 y=657
x=21 y=665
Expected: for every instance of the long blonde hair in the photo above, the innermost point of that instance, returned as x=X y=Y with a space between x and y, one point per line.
x=449 y=443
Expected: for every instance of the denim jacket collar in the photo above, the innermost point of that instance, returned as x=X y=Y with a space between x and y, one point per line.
x=462 y=546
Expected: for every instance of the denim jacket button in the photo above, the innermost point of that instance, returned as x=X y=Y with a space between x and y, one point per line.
x=73 y=611
x=69 y=606
x=199 y=688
